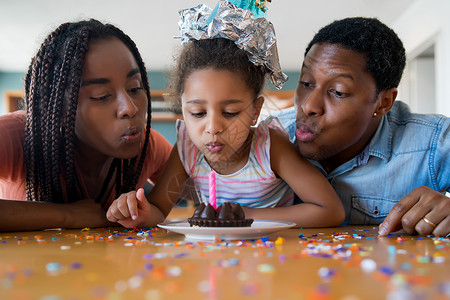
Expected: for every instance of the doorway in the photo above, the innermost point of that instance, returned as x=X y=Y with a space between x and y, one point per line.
x=421 y=72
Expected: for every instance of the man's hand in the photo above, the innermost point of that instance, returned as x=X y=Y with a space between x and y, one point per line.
x=423 y=211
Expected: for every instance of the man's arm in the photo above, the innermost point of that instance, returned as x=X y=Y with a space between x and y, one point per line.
x=422 y=211
x=26 y=215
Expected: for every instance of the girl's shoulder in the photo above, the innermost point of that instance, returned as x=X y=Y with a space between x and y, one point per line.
x=267 y=134
x=277 y=135
x=269 y=125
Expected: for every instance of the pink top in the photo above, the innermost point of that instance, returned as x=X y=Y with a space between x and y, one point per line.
x=255 y=185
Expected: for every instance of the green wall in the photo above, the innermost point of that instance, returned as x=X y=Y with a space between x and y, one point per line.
x=9 y=81
x=291 y=84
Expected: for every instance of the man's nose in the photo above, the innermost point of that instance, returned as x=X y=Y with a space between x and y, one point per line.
x=312 y=104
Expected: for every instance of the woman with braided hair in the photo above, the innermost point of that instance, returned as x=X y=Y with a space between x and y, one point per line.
x=85 y=138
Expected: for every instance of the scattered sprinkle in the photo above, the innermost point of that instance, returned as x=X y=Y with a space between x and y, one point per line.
x=368 y=265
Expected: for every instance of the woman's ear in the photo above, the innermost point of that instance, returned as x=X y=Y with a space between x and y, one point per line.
x=386 y=100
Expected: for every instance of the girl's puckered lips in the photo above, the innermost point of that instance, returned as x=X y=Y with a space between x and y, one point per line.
x=214 y=147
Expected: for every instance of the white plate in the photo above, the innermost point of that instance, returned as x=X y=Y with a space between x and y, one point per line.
x=259 y=228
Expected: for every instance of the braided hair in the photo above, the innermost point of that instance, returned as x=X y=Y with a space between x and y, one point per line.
x=52 y=84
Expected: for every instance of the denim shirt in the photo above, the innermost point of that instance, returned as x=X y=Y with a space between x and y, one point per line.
x=407 y=151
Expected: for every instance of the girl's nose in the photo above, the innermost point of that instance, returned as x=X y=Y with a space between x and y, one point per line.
x=213 y=125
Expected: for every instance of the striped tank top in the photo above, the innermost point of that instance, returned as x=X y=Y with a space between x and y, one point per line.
x=255 y=185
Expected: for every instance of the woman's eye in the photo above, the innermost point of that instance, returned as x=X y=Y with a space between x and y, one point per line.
x=101 y=98
x=136 y=89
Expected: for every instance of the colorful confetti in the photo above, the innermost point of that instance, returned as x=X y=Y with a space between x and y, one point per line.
x=147 y=262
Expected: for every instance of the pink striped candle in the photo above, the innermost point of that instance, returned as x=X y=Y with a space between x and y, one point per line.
x=212 y=189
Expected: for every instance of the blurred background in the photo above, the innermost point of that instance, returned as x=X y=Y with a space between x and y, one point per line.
x=423 y=26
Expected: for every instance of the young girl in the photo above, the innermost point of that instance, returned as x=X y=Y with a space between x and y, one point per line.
x=83 y=140
x=220 y=92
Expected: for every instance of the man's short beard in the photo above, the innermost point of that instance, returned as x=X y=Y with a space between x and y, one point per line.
x=325 y=152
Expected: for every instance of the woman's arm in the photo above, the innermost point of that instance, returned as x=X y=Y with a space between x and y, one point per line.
x=321 y=205
x=26 y=215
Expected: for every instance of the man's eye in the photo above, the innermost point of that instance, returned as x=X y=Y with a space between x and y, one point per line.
x=305 y=84
x=338 y=94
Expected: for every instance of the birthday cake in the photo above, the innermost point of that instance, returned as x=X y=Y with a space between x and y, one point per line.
x=226 y=215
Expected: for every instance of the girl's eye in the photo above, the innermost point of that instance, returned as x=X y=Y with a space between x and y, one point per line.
x=101 y=98
x=198 y=114
x=230 y=114
x=339 y=94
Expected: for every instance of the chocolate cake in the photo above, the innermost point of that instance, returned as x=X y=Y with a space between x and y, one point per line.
x=226 y=215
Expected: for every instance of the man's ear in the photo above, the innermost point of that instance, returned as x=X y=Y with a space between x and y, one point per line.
x=257 y=108
x=386 y=100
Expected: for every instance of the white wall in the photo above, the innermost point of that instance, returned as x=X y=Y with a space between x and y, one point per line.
x=423 y=85
x=425 y=23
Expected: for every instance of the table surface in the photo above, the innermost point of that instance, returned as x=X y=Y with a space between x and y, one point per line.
x=326 y=263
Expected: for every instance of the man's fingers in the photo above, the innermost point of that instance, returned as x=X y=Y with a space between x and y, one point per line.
x=423 y=211
x=443 y=228
x=425 y=226
x=386 y=227
x=435 y=223
x=393 y=221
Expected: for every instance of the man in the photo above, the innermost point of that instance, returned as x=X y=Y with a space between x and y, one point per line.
x=388 y=165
